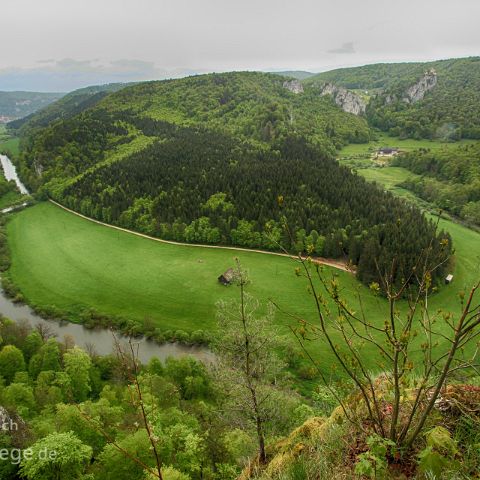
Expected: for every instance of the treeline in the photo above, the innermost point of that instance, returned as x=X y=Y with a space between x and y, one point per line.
x=57 y=397
x=450 y=178
x=251 y=105
x=66 y=107
x=86 y=127
x=68 y=147
x=204 y=187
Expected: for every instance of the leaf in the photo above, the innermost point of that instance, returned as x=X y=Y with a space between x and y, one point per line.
x=439 y=438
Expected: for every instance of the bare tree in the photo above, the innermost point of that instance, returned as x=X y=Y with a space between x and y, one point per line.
x=45 y=331
x=247 y=365
x=128 y=356
x=416 y=351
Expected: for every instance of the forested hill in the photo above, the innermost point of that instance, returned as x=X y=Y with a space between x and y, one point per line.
x=449 y=108
x=450 y=178
x=228 y=159
x=254 y=107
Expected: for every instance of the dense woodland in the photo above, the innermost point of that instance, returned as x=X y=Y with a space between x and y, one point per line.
x=57 y=396
x=449 y=111
x=237 y=159
x=233 y=159
x=450 y=178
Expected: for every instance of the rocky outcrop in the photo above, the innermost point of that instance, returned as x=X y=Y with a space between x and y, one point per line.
x=348 y=101
x=417 y=91
x=294 y=86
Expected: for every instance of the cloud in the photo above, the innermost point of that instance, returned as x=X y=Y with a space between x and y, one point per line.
x=71 y=64
x=346 y=48
x=125 y=64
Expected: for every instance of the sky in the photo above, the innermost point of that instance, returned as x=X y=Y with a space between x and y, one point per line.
x=60 y=45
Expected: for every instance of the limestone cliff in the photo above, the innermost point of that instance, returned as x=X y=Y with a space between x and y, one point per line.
x=348 y=101
x=417 y=91
x=294 y=86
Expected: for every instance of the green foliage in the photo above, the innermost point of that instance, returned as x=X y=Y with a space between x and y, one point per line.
x=170 y=473
x=212 y=130
x=113 y=464
x=439 y=455
x=449 y=111
x=77 y=133
x=59 y=455
x=77 y=366
x=327 y=214
x=450 y=178
x=11 y=362
x=66 y=107
x=373 y=463
x=47 y=358
x=19 y=397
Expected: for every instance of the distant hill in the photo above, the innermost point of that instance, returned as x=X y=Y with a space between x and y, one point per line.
x=15 y=105
x=298 y=74
x=438 y=99
x=65 y=107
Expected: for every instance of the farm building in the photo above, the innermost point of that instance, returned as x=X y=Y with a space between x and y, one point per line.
x=387 y=151
x=448 y=278
x=227 y=277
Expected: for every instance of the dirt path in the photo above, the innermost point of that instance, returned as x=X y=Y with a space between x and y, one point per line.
x=322 y=261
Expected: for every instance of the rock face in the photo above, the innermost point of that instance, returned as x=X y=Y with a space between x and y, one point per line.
x=293 y=85
x=346 y=100
x=418 y=90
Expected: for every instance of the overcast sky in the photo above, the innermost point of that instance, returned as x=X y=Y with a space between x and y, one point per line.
x=59 y=45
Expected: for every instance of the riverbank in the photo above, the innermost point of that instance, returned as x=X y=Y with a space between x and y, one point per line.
x=100 y=341
x=91 y=337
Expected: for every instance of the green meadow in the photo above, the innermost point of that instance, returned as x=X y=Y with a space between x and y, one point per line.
x=62 y=260
x=8 y=144
x=406 y=145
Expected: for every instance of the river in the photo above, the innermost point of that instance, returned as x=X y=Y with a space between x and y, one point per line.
x=10 y=173
x=100 y=340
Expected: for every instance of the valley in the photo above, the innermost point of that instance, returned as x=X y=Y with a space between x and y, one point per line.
x=67 y=267
x=248 y=255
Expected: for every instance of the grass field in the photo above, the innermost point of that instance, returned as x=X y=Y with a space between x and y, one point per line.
x=61 y=259
x=407 y=145
x=358 y=157
x=8 y=144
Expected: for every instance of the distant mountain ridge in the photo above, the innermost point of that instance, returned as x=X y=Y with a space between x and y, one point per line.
x=66 y=107
x=14 y=105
